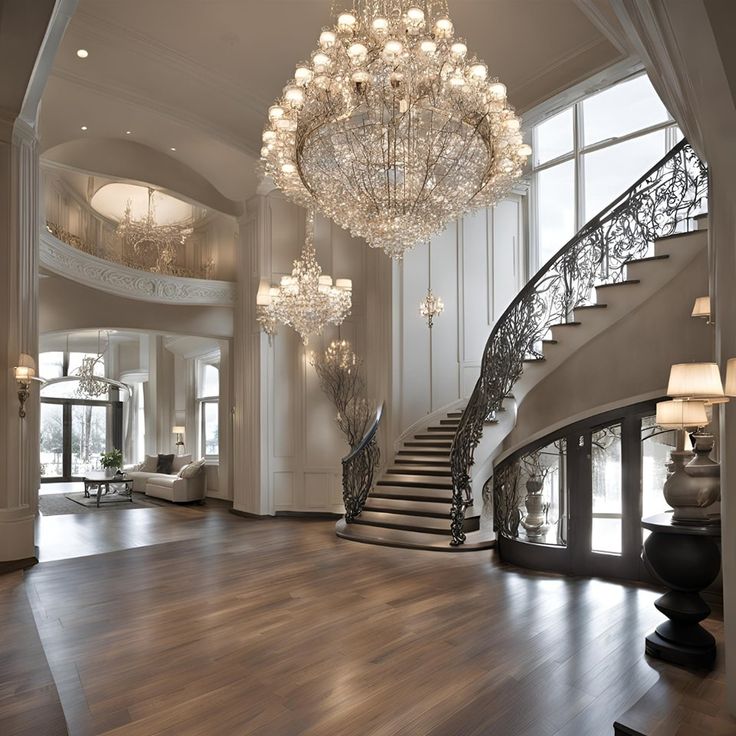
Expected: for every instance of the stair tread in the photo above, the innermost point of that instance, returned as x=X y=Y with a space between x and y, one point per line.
x=435 y=471
x=626 y=282
x=442 y=495
x=412 y=522
x=382 y=536
x=661 y=257
x=408 y=506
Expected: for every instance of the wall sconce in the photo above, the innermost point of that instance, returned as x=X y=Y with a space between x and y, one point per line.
x=701 y=309
x=179 y=430
x=25 y=372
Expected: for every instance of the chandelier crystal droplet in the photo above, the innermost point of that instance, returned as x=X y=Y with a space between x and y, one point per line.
x=393 y=128
x=307 y=300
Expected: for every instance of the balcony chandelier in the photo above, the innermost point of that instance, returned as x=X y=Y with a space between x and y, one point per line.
x=150 y=239
x=393 y=128
x=307 y=300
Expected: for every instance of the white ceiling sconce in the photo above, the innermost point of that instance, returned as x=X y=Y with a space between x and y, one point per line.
x=393 y=128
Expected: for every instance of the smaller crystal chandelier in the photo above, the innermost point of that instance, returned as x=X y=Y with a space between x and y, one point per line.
x=89 y=382
x=430 y=307
x=307 y=300
x=148 y=238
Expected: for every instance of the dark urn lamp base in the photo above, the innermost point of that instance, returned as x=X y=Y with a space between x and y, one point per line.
x=686 y=559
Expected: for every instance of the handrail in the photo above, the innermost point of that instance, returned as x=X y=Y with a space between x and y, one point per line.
x=660 y=201
x=358 y=467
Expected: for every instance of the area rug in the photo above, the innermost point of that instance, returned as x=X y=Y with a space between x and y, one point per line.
x=55 y=504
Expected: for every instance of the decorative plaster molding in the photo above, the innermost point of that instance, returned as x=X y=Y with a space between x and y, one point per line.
x=67 y=261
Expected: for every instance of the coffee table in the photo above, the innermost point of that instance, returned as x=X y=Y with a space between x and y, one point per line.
x=105 y=483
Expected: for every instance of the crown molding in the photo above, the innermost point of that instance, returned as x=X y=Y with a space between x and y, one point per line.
x=98 y=273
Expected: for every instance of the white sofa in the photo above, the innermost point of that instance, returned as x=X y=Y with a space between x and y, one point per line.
x=169 y=486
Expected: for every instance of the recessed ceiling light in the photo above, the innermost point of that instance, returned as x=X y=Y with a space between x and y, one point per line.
x=82 y=53
x=128 y=132
x=84 y=127
x=172 y=148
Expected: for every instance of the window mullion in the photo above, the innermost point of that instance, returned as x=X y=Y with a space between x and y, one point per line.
x=579 y=167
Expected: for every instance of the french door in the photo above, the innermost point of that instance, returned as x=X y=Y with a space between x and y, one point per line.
x=74 y=433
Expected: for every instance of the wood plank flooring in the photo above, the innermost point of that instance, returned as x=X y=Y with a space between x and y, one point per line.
x=275 y=627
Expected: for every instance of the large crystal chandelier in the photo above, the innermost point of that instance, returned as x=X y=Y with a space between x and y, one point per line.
x=307 y=300
x=151 y=240
x=393 y=128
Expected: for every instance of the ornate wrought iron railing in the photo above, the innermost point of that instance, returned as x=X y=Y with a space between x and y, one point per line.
x=660 y=203
x=358 y=469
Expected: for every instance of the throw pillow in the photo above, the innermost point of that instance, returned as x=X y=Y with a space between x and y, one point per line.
x=164 y=463
x=189 y=471
x=179 y=462
x=149 y=464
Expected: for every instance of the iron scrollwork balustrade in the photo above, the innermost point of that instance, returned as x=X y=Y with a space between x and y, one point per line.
x=358 y=469
x=661 y=203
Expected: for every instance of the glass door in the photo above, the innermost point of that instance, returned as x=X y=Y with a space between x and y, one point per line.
x=608 y=506
x=89 y=434
x=52 y=441
x=74 y=433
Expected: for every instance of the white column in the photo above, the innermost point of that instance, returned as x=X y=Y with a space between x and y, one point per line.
x=19 y=438
x=250 y=417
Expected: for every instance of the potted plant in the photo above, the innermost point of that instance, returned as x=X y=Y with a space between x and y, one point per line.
x=112 y=459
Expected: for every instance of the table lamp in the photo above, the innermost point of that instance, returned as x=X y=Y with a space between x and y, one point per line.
x=179 y=430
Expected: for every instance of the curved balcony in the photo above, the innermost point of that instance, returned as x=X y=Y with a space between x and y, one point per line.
x=82 y=244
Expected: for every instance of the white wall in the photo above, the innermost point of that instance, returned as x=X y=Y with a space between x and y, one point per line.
x=304 y=445
x=477 y=266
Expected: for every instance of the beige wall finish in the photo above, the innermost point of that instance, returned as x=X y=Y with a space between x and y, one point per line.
x=628 y=361
x=66 y=305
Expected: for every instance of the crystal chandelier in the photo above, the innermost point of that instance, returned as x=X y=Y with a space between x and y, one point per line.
x=149 y=239
x=307 y=300
x=90 y=384
x=393 y=128
x=430 y=307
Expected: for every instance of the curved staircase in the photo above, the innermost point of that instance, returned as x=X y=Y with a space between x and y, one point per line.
x=410 y=505
x=617 y=262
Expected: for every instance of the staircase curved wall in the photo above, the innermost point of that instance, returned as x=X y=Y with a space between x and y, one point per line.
x=628 y=362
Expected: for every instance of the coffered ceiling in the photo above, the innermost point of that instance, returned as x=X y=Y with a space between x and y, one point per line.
x=198 y=75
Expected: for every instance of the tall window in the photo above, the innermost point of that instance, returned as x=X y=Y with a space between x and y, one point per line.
x=208 y=400
x=588 y=154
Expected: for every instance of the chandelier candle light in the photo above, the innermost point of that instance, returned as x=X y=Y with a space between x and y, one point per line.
x=393 y=128
x=307 y=300
x=430 y=307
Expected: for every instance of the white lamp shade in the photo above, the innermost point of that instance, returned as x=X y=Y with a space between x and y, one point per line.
x=24 y=373
x=346 y=284
x=681 y=414
x=695 y=381
x=701 y=308
x=325 y=280
x=263 y=297
x=178 y=430
x=730 y=389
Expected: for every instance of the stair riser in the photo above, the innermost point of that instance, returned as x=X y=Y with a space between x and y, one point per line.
x=429 y=482
x=425 y=471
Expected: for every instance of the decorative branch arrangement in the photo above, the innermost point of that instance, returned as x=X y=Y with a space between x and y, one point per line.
x=341 y=377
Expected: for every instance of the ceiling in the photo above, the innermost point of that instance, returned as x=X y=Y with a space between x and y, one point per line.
x=198 y=75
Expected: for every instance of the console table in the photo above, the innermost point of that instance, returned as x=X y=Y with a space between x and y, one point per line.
x=686 y=558
x=101 y=482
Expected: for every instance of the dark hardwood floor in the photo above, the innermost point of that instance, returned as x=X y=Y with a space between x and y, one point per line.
x=232 y=626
